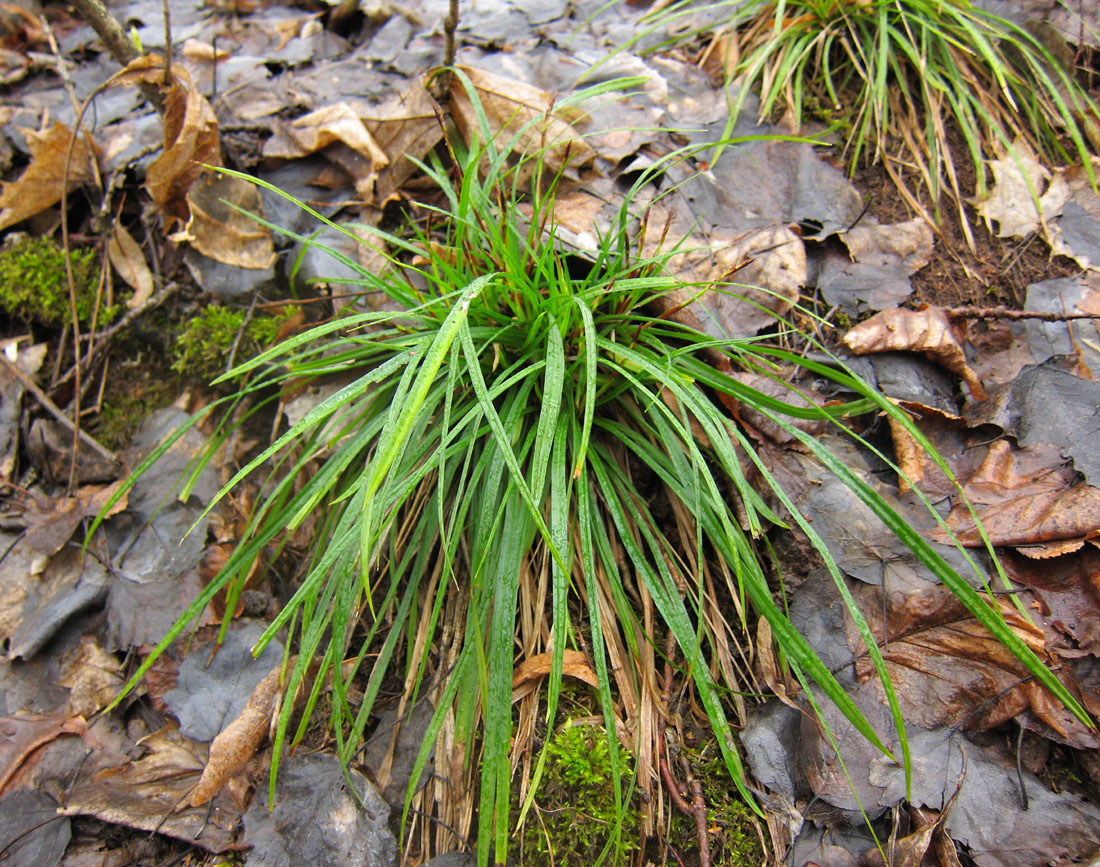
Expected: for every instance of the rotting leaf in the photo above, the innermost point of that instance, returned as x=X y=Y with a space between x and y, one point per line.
x=39 y=187
x=22 y=734
x=218 y=230
x=51 y=522
x=1026 y=498
x=520 y=116
x=238 y=741
x=926 y=330
x=151 y=793
x=128 y=260
x=948 y=670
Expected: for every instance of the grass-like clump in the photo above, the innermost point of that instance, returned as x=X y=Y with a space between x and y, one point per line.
x=34 y=287
x=528 y=459
x=895 y=76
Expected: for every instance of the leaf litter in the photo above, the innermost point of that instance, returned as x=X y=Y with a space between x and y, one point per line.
x=357 y=114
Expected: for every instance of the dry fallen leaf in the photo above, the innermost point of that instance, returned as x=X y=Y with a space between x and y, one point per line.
x=22 y=734
x=39 y=187
x=332 y=125
x=129 y=262
x=520 y=117
x=926 y=330
x=405 y=125
x=1024 y=194
x=236 y=743
x=224 y=234
x=574 y=664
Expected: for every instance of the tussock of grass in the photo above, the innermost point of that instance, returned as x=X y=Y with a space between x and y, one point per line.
x=894 y=75
x=520 y=440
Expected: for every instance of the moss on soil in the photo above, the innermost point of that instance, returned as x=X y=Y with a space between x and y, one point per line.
x=33 y=285
x=202 y=349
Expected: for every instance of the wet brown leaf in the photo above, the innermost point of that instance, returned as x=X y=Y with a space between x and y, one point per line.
x=331 y=125
x=224 y=234
x=93 y=676
x=948 y=670
x=39 y=187
x=521 y=116
x=926 y=330
x=52 y=522
x=1026 y=497
x=238 y=741
x=22 y=734
x=128 y=260
x=152 y=794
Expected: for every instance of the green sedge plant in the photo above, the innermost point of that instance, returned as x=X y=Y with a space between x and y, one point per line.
x=895 y=76
x=524 y=457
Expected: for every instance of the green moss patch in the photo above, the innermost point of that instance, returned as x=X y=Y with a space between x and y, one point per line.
x=33 y=285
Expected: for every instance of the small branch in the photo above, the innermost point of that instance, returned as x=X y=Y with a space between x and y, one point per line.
x=55 y=411
x=442 y=84
x=1013 y=315
x=122 y=49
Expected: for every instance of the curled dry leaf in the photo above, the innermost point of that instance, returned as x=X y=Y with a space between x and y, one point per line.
x=926 y=330
x=52 y=522
x=129 y=262
x=39 y=187
x=22 y=734
x=405 y=125
x=574 y=664
x=221 y=232
x=521 y=117
x=235 y=745
x=337 y=123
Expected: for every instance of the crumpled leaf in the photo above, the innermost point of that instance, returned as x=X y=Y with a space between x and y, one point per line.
x=926 y=330
x=51 y=522
x=1075 y=232
x=405 y=125
x=191 y=140
x=875 y=273
x=150 y=794
x=1026 y=498
x=1068 y=599
x=39 y=187
x=22 y=734
x=129 y=262
x=219 y=231
x=948 y=670
x=93 y=676
x=238 y=741
x=520 y=112
x=336 y=123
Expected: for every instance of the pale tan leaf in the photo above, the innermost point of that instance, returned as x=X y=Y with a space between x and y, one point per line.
x=93 y=677
x=129 y=262
x=223 y=233
x=405 y=125
x=521 y=116
x=239 y=740
x=39 y=187
x=574 y=664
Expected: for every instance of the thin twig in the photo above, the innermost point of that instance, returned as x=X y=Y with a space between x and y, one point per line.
x=442 y=84
x=122 y=49
x=102 y=338
x=53 y=409
x=167 y=44
x=1013 y=315
x=240 y=335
